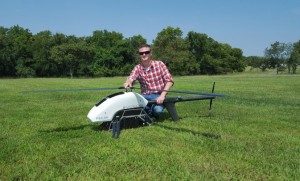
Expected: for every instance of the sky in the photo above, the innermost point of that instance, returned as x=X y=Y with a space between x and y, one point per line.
x=251 y=25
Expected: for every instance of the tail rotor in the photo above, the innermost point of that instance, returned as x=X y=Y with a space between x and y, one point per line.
x=212 y=91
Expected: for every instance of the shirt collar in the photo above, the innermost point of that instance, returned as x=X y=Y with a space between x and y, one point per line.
x=148 y=68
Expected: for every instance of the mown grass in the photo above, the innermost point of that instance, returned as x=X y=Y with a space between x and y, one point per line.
x=252 y=134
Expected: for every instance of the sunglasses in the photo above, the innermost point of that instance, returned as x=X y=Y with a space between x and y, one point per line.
x=146 y=52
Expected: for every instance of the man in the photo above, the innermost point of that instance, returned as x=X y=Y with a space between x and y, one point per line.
x=153 y=76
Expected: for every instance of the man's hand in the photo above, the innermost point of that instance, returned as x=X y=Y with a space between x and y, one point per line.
x=160 y=99
x=163 y=94
x=127 y=85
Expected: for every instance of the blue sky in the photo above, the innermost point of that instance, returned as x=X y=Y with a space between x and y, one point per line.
x=251 y=25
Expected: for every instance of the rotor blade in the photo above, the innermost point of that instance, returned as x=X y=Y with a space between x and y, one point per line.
x=184 y=92
x=71 y=90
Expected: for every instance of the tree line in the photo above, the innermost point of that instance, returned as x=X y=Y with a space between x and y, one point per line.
x=279 y=56
x=108 y=53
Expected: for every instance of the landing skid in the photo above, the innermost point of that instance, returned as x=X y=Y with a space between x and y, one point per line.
x=128 y=118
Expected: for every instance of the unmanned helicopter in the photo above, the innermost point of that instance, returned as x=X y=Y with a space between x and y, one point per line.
x=116 y=109
x=121 y=106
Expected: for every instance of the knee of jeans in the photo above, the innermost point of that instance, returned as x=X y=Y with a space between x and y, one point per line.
x=158 y=109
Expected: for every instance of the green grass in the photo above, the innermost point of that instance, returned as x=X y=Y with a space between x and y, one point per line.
x=252 y=134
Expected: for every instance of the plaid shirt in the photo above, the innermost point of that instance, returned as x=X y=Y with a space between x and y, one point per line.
x=153 y=79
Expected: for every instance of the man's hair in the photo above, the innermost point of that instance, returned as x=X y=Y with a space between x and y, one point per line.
x=145 y=45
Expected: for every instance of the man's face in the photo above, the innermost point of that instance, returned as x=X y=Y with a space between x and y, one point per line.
x=145 y=54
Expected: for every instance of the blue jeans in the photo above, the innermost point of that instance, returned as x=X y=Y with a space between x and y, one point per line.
x=153 y=109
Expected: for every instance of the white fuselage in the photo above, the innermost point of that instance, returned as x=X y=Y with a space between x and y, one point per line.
x=106 y=109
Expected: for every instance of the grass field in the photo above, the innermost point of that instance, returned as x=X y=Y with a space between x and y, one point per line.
x=251 y=134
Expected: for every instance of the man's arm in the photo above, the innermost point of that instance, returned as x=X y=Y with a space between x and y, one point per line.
x=132 y=77
x=163 y=94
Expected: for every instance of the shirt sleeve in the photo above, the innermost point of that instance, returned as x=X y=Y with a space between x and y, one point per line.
x=134 y=73
x=166 y=73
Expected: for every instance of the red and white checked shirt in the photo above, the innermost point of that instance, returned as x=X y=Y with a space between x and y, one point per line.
x=152 y=79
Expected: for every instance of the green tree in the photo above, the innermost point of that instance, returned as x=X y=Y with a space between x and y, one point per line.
x=277 y=55
x=5 y=63
x=60 y=38
x=21 y=52
x=170 y=47
x=72 y=56
x=106 y=60
x=232 y=59
x=257 y=62
x=114 y=55
x=200 y=44
x=104 y=38
x=15 y=52
x=210 y=54
x=41 y=46
x=294 y=60
x=210 y=65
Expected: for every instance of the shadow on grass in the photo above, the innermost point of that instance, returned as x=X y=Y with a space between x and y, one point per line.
x=63 y=129
x=105 y=126
x=129 y=124
x=125 y=124
x=207 y=135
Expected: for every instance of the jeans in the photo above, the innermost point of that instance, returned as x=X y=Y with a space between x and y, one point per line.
x=153 y=109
